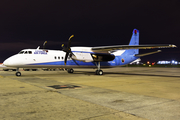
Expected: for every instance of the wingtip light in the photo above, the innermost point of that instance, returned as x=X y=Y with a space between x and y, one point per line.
x=173 y=46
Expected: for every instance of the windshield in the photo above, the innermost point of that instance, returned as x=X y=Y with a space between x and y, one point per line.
x=21 y=52
x=25 y=52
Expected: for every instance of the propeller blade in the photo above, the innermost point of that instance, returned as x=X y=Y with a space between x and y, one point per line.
x=65 y=60
x=44 y=44
x=71 y=37
x=69 y=42
x=63 y=48
x=68 y=49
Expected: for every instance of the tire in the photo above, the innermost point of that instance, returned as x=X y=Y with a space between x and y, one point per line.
x=70 y=70
x=6 y=69
x=96 y=72
x=18 y=74
x=99 y=72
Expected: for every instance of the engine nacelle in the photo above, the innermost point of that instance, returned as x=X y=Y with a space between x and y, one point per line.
x=98 y=57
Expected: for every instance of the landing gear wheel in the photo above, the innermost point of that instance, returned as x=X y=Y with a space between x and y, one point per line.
x=18 y=73
x=99 y=72
x=70 y=70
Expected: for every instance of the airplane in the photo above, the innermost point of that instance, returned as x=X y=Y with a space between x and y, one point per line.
x=82 y=57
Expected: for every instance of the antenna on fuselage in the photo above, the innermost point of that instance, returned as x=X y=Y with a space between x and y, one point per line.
x=38 y=48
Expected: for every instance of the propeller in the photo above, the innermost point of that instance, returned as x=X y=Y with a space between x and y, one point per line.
x=68 y=49
x=44 y=44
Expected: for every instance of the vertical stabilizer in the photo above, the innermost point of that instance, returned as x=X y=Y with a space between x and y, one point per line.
x=134 y=41
x=135 y=37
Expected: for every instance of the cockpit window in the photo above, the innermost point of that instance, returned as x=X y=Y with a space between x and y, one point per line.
x=25 y=52
x=21 y=52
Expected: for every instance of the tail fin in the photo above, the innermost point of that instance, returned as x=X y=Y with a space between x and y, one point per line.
x=135 y=38
x=134 y=41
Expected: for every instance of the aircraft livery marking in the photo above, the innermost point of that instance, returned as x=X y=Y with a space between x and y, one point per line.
x=40 y=52
x=122 y=60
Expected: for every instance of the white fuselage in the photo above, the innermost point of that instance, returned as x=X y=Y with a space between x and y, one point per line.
x=39 y=58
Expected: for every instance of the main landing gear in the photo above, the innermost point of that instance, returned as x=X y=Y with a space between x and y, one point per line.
x=18 y=73
x=70 y=70
x=99 y=71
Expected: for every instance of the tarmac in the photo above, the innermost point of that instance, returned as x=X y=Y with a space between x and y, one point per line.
x=122 y=93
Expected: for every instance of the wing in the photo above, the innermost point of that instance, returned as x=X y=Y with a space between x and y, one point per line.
x=125 y=47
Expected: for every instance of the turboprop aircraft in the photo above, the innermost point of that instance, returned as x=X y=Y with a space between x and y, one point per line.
x=82 y=57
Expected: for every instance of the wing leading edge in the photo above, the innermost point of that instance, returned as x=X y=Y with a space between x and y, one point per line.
x=126 y=47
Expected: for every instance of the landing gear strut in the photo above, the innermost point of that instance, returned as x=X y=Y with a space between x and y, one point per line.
x=99 y=71
x=18 y=73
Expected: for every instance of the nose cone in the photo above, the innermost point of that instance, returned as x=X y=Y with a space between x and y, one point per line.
x=7 y=62
x=12 y=61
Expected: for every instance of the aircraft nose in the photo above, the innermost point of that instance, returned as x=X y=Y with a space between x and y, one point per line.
x=7 y=62
x=11 y=62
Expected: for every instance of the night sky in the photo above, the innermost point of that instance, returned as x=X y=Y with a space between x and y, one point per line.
x=28 y=23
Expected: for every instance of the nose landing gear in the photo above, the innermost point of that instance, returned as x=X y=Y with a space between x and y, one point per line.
x=18 y=73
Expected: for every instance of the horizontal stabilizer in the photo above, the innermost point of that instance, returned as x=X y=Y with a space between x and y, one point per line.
x=135 y=61
x=140 y=55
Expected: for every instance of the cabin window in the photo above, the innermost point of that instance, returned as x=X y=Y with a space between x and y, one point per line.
x=55 y=57
x=29 y=52
x=21 y=52
x=62 y=57
x=58 y=57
